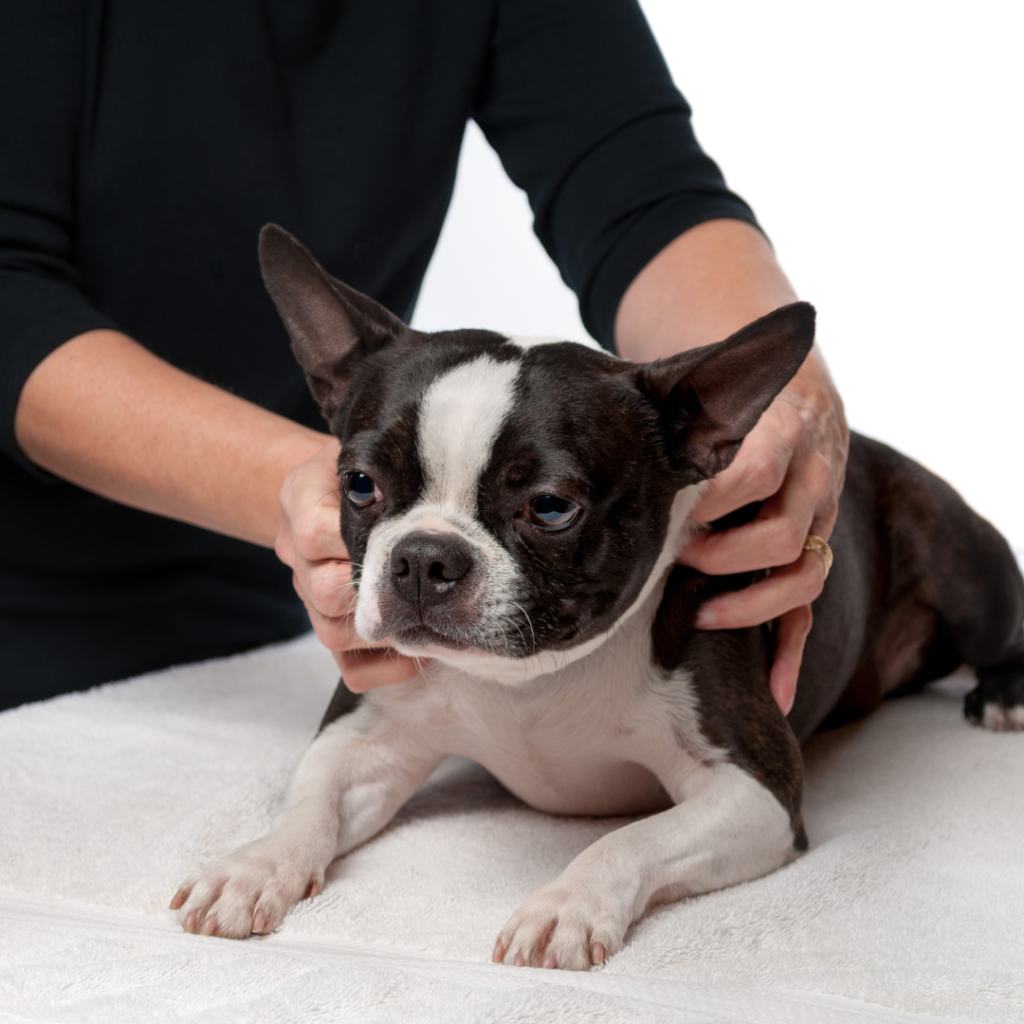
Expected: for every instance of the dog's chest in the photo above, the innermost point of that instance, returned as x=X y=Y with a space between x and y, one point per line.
x=592 y=739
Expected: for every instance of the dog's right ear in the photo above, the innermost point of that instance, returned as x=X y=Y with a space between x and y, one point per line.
x=331 y=325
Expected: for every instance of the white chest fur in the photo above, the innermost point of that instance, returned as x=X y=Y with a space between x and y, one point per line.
x=595 y=737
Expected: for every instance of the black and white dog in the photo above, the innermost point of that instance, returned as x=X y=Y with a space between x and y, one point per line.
x=513 y=509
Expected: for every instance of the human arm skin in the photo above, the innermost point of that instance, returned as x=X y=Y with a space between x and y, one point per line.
x=105 y=413
x=708 y=283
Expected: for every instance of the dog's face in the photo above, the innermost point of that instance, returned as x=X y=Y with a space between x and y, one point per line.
x=502 y=499
x=495 y=497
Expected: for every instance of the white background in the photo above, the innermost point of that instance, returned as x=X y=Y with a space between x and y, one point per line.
x=880 y=146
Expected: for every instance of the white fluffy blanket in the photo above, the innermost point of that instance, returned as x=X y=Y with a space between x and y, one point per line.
x=908 y=907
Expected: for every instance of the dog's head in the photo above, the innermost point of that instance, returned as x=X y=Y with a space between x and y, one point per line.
x=506 y=502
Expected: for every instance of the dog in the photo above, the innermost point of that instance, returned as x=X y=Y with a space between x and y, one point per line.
x=513 y=508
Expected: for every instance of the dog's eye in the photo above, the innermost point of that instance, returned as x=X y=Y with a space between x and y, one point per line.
x=550 y=512
x=361 y=489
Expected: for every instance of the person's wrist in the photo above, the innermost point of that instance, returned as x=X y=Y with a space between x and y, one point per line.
x=703 y=286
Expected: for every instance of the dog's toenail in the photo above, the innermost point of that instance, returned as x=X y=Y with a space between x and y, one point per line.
x=259 y=923
x=209 y=925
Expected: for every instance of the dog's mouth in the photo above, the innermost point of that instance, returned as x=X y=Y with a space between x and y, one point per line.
x=421 y=636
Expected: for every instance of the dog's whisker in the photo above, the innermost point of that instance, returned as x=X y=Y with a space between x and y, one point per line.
x=533 y=634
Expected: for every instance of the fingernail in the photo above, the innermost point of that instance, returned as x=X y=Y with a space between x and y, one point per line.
x=707 y=618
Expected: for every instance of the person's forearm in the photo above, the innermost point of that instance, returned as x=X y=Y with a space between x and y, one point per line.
x=711 y=281
x=108 y=415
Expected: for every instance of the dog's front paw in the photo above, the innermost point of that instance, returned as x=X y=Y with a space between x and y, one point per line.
x=248 y=892
x=564 y=925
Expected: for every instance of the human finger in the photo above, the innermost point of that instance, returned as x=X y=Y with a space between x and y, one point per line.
x=759 y=468
x=364 y=665
x=791 y=632
x=775 y=537
x=337 y=632
x=371 y=669
x=785 y=589
x=327 y=586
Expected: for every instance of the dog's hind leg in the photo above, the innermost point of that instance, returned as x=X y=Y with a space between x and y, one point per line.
x=355 y=776
x=997 y=702
x=976 y=588
x=986 y=620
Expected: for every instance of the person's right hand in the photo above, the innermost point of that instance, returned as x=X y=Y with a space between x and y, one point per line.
x=309 y=542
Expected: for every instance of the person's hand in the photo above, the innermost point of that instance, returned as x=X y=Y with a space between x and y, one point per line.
x=795 y=461
x=309 y=542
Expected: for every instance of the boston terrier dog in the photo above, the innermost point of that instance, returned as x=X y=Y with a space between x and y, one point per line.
x=513 y=509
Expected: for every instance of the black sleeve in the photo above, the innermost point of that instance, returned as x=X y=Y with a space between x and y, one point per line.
x=42 y=305
x=581 y=108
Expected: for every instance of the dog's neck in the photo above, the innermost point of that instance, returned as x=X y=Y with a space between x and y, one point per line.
x=636 y=619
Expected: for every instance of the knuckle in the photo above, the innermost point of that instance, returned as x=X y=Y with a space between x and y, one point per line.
x=331 y=601
x=307 y=532
x=814 y=578
x=789 y=540
x=793 y=423
x=819 y=476
x=825 y=520
x=766 y=473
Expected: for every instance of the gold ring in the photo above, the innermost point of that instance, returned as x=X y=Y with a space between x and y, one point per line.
x=822 y=550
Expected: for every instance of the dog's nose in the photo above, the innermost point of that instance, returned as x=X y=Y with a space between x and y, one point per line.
x=427 y=567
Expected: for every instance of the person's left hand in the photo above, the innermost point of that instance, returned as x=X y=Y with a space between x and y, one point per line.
x=309 y=542
x=795 y=461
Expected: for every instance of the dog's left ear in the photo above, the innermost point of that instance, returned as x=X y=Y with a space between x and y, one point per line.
x=331 y=325
x=709 y=399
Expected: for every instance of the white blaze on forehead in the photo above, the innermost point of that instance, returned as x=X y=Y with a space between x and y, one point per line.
x=459 y=420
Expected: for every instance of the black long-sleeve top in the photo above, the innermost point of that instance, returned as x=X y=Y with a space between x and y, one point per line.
x=142 y=145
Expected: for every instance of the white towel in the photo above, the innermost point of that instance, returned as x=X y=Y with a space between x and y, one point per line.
x=909 y=905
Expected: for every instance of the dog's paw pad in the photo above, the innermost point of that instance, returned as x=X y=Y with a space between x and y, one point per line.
x=562 y=928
